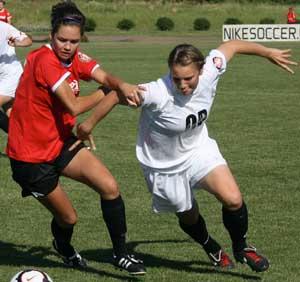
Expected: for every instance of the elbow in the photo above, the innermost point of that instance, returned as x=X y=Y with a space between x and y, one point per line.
x=74 y=110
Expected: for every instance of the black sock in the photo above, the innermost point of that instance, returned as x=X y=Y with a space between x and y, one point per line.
x=200 y=234
x=3 y=121
x=236 y=222
x=114 y=216
x=63 y=238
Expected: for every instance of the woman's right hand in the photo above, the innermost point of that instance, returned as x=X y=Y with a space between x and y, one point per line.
x=132 y=93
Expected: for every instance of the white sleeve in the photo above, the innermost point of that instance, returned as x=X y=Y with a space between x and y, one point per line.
x=15 y=33
x=153 y=94
x=214 y=67
x=215 y=62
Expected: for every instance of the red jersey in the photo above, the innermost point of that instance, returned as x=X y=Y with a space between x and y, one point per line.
x=291 y=17
x=39 y=123
x=4 y=15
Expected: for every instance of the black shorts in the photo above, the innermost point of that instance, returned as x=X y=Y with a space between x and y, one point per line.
x=39 y=179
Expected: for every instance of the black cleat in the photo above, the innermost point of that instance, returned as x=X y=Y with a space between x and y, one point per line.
x=129 y=263
x=221 y=259
x=75 y=260
x=250 y=256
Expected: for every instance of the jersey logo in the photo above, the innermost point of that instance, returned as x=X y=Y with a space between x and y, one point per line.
x=37 y=194
x=84 y=58
x=218 y=62
x=74 y=86
x=192 y=120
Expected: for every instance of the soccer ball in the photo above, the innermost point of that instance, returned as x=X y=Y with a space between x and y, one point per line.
x=31 y=275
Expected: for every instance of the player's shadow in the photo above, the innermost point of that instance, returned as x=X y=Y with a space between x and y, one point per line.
x=198 y=266
x=26 y=256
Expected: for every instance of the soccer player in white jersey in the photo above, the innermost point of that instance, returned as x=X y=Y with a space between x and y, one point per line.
x=176 y=153
x=10 y=67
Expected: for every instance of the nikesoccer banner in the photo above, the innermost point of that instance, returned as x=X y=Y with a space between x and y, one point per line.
x=262 y=32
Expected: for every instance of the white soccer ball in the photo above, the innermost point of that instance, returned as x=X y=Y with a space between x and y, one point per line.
x=31 y=275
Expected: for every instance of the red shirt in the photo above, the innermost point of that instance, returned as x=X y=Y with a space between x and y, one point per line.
x=291 y=17
x=39 y=123
x=4 y=15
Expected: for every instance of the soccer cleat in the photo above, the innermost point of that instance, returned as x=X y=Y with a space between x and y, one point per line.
x=250 y=256
x=75 y=260
x=131 y=264
x=221 y=259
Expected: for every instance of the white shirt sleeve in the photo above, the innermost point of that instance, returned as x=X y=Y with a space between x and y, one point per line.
x=215 y=62
x=15 y=33
x=154 y=94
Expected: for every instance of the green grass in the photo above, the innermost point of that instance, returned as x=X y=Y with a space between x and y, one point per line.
x=255 y=120
x=145 y=14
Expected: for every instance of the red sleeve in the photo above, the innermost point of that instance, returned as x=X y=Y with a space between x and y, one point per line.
x=86 y=65
x=8 y=14
x=49 y=72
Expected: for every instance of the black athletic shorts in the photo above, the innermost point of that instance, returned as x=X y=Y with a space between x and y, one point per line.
x=39 y=179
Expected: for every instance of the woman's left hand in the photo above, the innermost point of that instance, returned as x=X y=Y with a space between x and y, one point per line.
x=84 y=133
x=281 y=58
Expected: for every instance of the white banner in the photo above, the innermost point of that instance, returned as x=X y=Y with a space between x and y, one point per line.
x=262 y=32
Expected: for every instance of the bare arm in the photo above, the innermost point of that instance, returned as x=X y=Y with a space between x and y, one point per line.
x=130 y=92
x=85 y=128
x=276 y=56
x=77 y=105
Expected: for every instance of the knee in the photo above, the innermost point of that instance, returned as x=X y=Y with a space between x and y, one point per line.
x=68 y=219
x=234 y=202
x=111 y=190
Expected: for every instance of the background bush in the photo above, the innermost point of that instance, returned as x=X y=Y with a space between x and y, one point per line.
x=125 y=24
x=164 y=23
x=201 y=24
x=108 y=13
x=233 y=21
x=267 y=21
x=90 y=24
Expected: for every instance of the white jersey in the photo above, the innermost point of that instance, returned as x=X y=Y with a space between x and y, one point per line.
x=7 y=52
x=172 y=126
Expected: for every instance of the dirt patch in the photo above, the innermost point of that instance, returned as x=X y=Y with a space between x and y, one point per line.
x=141 y=38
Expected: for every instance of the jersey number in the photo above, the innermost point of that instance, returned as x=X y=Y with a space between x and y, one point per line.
x=192 y=120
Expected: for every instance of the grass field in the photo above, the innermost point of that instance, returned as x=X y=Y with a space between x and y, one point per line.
x=255 y=120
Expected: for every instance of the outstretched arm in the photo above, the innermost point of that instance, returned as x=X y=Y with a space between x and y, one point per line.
x=130 y=92
x=276 y=56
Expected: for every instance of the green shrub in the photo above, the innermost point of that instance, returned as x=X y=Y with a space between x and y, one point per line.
x=90 y=24
x=201 y=24
x=267 y=21
x=232 y=21
x=164 y=23
x=125 y=24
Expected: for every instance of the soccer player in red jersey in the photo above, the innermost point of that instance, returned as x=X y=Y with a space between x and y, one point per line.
x=5 y=15
x=291 y=16
x=41 y=146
